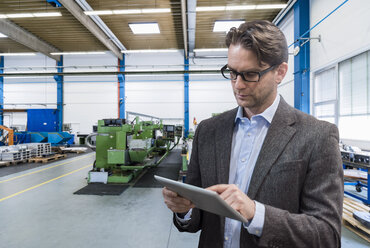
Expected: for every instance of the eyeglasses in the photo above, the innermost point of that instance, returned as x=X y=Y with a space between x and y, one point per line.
x=248 y=76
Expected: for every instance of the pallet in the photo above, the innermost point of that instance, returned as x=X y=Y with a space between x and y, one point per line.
x=349 y=206
x=4 y=163
x=47 y=159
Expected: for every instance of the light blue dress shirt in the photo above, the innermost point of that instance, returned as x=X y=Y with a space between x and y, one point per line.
x=247 y=142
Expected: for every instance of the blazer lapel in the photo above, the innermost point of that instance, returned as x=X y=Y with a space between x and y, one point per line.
x=279 y=134
x=223 y=139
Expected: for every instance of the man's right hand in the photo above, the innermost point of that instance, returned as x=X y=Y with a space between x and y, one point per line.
x=176 y=203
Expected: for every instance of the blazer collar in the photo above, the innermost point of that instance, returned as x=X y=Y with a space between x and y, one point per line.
x=223 y=140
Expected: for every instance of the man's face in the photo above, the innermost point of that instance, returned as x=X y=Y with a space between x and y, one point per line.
x=254 y=97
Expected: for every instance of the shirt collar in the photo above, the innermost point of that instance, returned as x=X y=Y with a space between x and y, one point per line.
x=268 y=114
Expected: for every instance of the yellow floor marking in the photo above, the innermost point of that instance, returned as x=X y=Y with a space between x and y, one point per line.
x=38 y=185
x=34 y=172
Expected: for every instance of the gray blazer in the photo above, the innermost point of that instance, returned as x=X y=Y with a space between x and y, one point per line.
x=298 y=177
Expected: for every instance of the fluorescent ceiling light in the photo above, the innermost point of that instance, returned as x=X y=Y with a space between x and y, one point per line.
x=24 y=15
x=271 y=6
x=144 y=28
x=211 y=50
x=214 y=8
x=99 y=12
x=127 y=11
x=241 y=7
x=156 y=10
x=77 y=53
x=3 y=35
x=151 y=51
x=224 y=26
x=47 y=14
x=17 y=54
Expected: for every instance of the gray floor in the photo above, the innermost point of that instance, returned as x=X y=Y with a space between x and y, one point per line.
x=38 y=209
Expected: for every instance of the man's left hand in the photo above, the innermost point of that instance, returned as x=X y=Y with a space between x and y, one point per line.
x=236 y=199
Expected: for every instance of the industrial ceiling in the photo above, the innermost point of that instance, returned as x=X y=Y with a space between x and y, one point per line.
x=75 y=31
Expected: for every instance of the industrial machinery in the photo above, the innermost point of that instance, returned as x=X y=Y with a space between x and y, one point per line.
x=124 y=149
x=6 y=135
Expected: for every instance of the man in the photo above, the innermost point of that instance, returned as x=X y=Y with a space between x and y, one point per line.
x=279 y=167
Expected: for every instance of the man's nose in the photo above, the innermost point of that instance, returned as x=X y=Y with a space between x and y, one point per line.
x=239 y=82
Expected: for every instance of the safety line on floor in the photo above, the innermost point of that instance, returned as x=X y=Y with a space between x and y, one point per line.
x=38 y=185
x=34 y=172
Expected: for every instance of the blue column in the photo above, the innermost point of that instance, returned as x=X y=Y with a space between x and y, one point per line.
x=121 y=88
x=302 y=60
x=1 y=91
x=60 y=81
x=186 y=96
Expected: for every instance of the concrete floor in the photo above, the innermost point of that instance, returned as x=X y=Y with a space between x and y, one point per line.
x=38 y=209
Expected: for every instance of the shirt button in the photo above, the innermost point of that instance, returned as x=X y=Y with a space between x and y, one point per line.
x=257 y=232
x=249 y=134
x=243 y=160
x=226 y=238
x=243 y=121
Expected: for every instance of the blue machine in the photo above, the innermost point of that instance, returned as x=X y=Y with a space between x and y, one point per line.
x=42 y=128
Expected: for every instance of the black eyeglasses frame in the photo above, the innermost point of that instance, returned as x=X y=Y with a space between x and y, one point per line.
x=260 y=73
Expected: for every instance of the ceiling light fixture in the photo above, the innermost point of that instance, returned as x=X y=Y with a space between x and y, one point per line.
x=224 y=26
x=3 y=35
x=17 y=54
x=241 y=7
x=145 y=28
x=28 y=15
x=151 y=51
x=271 y=6
x=78 y=53
x=47 y=14
x=99 y=12
x=156 y=10
x=23 y=15
x=127 y=11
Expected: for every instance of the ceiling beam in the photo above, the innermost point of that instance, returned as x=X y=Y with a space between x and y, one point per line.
x=22 y=36
x=184 y=26
x=192 y=4
x=85 y=20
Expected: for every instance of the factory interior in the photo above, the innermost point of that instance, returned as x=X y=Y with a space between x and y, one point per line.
x=98 y=96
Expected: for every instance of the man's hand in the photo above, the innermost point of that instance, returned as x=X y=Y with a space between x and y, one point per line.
x=236 y=199
x=176 y=203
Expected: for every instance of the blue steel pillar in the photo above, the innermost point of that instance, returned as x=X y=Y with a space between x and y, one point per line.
x=302 y=60
x=60 y=81
x=186 y=96
x=1 y=91
x=121 y=88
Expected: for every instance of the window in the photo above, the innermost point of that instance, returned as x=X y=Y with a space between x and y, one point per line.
x=342 y=96
x=325 y=96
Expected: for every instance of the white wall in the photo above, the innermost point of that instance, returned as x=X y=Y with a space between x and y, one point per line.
x=343 y=34
x=27 y=92
x=286 y=87
x=88 y=99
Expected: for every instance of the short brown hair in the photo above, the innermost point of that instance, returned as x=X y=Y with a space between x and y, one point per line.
x=263 y=38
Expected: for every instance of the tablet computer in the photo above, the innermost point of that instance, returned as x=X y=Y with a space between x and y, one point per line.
x=202 y=198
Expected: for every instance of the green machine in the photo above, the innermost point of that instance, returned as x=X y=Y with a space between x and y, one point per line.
x=123 y=149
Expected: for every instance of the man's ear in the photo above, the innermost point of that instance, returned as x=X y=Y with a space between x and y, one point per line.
x=281 y=72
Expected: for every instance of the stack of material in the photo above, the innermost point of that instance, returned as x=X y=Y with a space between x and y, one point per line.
x=39 y=149
x=24 y=151
x=15 y=153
